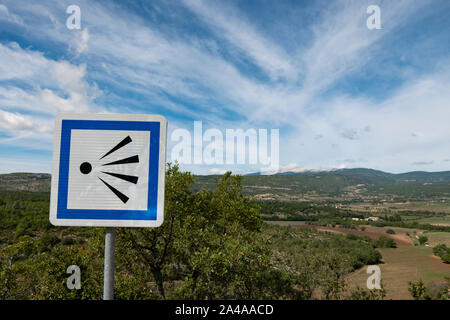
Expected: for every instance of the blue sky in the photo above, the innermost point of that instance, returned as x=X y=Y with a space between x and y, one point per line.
x=340 y=94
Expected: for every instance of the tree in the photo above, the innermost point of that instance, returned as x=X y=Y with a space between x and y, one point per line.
x=210 y=239
x=422 y=240
x=420 y=291
x=155 y=247
x=385 y=242
x=365 y=294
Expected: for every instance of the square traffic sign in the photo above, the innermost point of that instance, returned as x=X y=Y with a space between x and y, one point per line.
x=108 y=170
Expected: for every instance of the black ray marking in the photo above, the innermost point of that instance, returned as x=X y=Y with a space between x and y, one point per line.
x=122 y=143
x=132 y=179
x=119 y=194
x=133 y=159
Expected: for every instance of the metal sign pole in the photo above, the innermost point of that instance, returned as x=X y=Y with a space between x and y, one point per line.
x=108 y=280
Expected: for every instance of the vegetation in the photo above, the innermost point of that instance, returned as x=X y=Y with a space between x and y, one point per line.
x=443 y=252
x=385 y=242
x=212 y=245
x=420 y=291
x=422 y=240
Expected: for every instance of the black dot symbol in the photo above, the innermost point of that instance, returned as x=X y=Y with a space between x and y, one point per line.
x=85 y=167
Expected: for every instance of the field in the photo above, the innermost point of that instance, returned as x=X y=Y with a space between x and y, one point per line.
x=286 y=223
x=436 y=238
x=441 y=206
x=331 y=226
x=441 y=221
x=401 y=265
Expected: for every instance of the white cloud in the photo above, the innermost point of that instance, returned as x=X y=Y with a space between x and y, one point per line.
x=233 y=26
x=13 y=121
x=57 y=86
x=82 y=41
x=5 y=14
x=151 y=62
x=217 y=171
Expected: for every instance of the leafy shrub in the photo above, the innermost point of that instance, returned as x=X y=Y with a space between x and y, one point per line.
x=47 y=242
x=423 y=240
x=68 y=241
x=385 y=242
x=22 y=229
x=420 y=291
x=446 y=258
x=365 y=294
x=440 y=250
x=443 y=252
x=351 y=237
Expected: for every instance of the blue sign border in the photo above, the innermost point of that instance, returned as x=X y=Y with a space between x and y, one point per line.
x=66 y=129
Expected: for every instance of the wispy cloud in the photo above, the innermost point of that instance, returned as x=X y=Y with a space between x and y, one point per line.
x=422 y=163
x=8 y=16
x=335 y=89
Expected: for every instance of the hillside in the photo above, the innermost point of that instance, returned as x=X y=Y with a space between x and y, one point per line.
x=25 y=182
x=345 y=184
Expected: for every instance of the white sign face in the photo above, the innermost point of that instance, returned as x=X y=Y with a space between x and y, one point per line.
x=108 y=170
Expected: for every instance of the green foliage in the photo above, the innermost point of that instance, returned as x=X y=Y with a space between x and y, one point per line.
x=379 y=224
x=423 y=239
x=420 y=291
x=443 y=252
x=385 y=242
x=318 y=263
x=210 y=239
x=366 y=294
x=47 y=241
x=213 y=245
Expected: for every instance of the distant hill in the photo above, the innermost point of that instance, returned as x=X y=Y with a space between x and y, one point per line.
x=347 y=183
x=25 y=181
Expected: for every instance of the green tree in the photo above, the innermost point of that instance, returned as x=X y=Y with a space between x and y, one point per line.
x=385 y=242
x=211 y=240
x=423 y=240
x=365 y=294
x=420 y=291
x=156 y=247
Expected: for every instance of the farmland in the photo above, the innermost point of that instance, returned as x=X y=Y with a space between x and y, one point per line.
x=336 y=222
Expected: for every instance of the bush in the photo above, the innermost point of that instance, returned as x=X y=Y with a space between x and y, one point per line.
x=420 y=291
x=385 y=242
x=22 y=229
x=441 y=250
x=68 y=241
x=423 y=240
x=365 y=294
x=390 y=231
x=47 y=242
x=446 y=258
x=351 y=237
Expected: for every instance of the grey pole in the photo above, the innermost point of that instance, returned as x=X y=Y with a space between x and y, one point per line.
x=108 y=280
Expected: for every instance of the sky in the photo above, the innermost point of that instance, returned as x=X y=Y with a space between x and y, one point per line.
x=342 y=95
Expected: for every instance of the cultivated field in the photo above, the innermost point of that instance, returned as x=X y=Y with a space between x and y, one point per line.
x=401 y=265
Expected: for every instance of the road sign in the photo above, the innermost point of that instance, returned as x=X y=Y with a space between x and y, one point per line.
x=108 y=170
